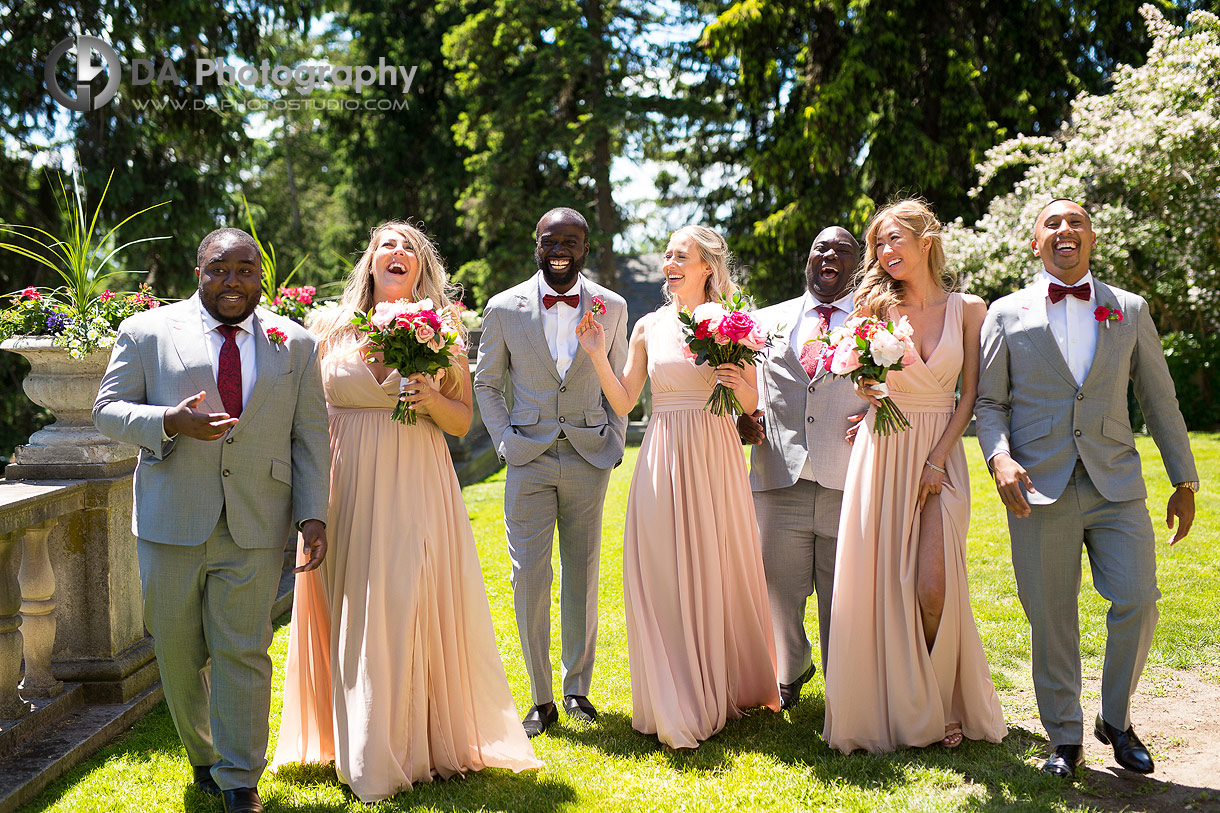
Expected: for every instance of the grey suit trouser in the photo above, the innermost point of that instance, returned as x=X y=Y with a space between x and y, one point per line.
x=208 y=608
x=1046 y=548
x=558 y=487
x=798 y=526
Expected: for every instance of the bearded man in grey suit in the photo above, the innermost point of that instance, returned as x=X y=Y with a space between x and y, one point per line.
x=226 y=404
x=803 y=430
x=560 y=441
x=1052 y=421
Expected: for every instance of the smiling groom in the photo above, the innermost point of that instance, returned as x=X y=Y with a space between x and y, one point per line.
x=560 y=442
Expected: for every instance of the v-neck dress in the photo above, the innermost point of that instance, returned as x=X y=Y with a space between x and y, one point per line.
x=393 y=670
x=884 y=689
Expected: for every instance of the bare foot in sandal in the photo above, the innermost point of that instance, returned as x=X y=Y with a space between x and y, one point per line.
x=953 y=735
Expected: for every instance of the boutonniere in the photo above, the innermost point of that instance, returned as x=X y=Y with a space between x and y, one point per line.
x=1107 y=315
x=599 y=306
x=276 y=336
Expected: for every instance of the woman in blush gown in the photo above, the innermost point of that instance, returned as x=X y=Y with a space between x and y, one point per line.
x=906 y=667
x=393 y=670
x=699 y=637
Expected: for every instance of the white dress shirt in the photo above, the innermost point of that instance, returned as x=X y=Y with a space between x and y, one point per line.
x=806 y=327
x=1073 y=325
x=559 y=324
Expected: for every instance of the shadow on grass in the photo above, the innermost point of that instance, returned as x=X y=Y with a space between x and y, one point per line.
x=489 y=789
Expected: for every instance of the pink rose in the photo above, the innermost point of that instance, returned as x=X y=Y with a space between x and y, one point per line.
x=735 y=326
x=845 y=359
x=721 y=338
x=756 y=340
x=436 y=343
x=387 y=312
x=424 y=332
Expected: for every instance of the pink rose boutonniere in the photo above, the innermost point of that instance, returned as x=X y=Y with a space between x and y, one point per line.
x=599 y=306
x=276 y=336
x=1107 y=315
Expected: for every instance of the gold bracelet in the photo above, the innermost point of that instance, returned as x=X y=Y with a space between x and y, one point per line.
x=935 y=467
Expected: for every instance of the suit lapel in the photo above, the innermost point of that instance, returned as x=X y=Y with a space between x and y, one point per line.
x=1032 y=313
x=1104 y=346
x=269 y=364
x=529 y=314
x=186 y=332
x=784 y=350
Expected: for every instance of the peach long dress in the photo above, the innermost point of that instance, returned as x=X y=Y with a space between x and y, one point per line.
x=699 y=634
x=392 y=669
x=884 y=690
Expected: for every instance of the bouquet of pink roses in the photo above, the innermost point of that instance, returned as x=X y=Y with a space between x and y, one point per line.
x=723 y=333
x=867 y=347
x=413 y=338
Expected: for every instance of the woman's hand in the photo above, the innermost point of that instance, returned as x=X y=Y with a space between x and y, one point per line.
x=854 y=428
x=591 y=334
x=731 y=376
x=421 y=390
x=868 y=389
x=931 y=482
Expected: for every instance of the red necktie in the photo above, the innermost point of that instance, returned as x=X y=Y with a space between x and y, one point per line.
x=1057 y=292
x=571 y=300
x=824 y=313
x=228 y=373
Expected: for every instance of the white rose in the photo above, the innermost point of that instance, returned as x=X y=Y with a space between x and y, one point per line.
x=709 y=310
x=885 y=348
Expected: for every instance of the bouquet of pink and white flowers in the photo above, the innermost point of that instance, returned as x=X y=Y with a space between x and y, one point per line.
x=413 y=337
x=723 y=333
x=867 y=347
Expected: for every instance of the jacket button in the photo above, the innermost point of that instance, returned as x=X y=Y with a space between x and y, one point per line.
x=811 y=388
x=228 y=440
x=1079 y=396
x=562 y=419
x=563 y=389
x=225 y=473
x=1077 y=433
x=809 y=419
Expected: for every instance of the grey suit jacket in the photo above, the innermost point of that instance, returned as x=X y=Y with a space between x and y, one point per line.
x=1030 y=406
x=802 y=416
x=271 y=471
x=514 y=352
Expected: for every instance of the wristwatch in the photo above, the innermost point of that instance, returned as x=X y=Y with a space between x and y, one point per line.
x=1193 y=485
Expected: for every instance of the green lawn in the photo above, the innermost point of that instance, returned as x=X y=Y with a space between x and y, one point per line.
x=764 y=762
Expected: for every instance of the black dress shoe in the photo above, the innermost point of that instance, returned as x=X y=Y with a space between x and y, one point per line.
x=789 y=693
x=539 y=719
x=243 y=800
x=1064 y=762
x=204 y=780
x=579 y=708
x=1128 y=750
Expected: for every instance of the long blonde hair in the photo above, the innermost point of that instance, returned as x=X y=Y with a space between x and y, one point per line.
x=714 y=251
x=335 y=327
x=877 y=291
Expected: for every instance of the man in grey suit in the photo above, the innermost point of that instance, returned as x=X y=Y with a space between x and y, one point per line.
x=226 y=404
x=798 y=467
x=1052 y=422
x=560 y=440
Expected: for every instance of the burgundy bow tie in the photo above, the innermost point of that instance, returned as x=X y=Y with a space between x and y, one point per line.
x=571 y=300
x=1057 y=292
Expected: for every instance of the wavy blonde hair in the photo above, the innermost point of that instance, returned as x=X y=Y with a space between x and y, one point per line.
x=877 y=291
x=714 y=251
x=335 y=327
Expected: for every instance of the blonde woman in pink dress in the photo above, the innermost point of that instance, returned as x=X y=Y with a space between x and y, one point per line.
x=393 y=670
x=699 y=637
x=906 y=667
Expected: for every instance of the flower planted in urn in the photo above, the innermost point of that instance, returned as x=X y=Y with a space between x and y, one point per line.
x=82 y=314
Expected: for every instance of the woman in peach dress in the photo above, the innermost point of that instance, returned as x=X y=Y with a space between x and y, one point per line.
x=905 y=666
x=699 y=637
x=393 y=670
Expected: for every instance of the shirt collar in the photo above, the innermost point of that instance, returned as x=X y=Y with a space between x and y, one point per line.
x=210 y=322
x=545 y=289
x=844 y=303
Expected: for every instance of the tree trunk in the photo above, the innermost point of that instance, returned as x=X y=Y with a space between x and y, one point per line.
x=607 y=222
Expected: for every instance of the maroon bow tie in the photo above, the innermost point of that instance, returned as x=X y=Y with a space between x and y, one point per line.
x=1057 y=292
x=571 y=300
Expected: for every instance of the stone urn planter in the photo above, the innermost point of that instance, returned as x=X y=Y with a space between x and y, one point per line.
x=71 y=447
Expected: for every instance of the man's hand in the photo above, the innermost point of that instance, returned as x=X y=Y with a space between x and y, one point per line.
x=751 y=428
x=1181 y=505
x=313 y=535
x=184 y=419
x=1009 y=477
x=853 y=428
